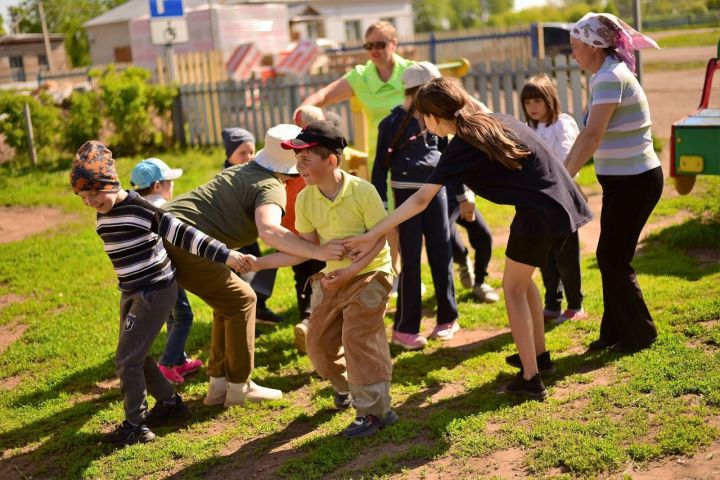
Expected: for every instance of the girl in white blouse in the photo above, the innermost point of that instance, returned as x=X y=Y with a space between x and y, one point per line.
x=558 y=130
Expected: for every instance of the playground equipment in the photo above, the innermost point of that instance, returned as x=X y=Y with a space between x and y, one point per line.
x=695 y=140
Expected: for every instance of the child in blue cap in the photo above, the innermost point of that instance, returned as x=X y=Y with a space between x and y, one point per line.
x=153 y=180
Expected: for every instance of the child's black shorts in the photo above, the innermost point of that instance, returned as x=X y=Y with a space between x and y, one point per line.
x=533 y=251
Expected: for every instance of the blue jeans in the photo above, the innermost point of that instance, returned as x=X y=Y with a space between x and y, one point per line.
x=178 y=328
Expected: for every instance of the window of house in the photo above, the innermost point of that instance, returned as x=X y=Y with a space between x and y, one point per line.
x=42 y=61
x=17 y=68
x=352 y=30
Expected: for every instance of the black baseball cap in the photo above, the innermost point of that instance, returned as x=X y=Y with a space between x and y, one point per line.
x=319 y=132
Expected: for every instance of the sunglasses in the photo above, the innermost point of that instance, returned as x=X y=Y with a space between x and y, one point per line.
x=374 y=46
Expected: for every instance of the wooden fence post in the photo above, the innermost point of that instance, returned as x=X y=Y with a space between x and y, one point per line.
x=30 y=135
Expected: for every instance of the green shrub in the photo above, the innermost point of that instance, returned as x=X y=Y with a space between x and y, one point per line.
x=129 y=102
x=84 y=119
x=45 y=121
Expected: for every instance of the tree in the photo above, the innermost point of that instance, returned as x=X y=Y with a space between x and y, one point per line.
x=66 y=17
x=2 y=26
x=437 y=15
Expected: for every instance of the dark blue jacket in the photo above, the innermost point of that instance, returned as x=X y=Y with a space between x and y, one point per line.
x=412 y=163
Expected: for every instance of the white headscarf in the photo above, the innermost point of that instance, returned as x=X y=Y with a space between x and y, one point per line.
x=605 y=30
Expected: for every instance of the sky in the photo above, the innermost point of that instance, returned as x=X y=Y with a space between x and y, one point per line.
x=519 y=5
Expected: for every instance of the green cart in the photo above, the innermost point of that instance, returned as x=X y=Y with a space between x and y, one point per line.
x=695 y=140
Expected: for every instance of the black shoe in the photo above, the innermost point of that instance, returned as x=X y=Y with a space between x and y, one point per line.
x=533 y=388
x=369 y=425
x=163 y=412
x=267 y=316
x=127 y=434
x=600 y=344
x=342 y=400
x=544 y=363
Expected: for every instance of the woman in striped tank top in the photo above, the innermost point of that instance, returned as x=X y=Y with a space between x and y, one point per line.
x=617 y=136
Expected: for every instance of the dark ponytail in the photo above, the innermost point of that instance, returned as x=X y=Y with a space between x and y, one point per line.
x=446 y=99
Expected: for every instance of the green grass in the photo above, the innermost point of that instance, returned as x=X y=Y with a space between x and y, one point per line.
x=691 y=39
x=605 y=410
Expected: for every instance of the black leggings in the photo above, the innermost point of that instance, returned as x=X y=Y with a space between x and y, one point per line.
x=627 y=204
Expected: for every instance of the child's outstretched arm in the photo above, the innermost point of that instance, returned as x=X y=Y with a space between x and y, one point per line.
x=362 y=245
x=281 y=259
x=190 y=238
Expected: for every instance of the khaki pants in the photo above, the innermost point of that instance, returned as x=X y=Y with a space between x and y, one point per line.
x=347 y=343
x=232 y=345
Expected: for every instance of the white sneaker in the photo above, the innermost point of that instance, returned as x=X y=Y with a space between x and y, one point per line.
x=216 y=391
x=467 y=273
x=486 y=293
x=445 y=331
x=238 y=393
x=301 y=330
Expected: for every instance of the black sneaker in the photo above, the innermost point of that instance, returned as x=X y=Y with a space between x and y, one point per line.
x=128 y=434
x=168 y=410
x=544 y=363
x=369 y=425
x=600 y=344
x=267 y=316
x=342 y=400
x=533 y=388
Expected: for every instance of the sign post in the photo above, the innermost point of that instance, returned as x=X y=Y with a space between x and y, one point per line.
x=168 y=27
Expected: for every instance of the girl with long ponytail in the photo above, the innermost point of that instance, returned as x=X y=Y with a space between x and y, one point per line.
x=504 y=161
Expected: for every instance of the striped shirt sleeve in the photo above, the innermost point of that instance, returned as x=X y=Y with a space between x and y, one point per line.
x=607 y=88
x=189 y=238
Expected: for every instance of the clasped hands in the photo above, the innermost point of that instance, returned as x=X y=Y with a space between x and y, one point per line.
x=353 y=248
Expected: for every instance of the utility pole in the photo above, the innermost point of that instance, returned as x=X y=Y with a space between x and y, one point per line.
x=637 y=18
x=46 y=37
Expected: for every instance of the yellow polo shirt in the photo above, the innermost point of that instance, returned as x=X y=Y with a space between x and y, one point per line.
x=355 y=210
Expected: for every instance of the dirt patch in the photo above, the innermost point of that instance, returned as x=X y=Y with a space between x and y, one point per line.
x=705 y=256
x=704 y=465
x=600 y=378
x=10 y=333
x=9 y=299
x=447 y=390
x=505 y=464
x=10 y=383
x=17 y=223
x=469 y=338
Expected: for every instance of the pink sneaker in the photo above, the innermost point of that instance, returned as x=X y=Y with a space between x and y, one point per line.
x=570 y=314
x=445 y=331
x=190 y=366
x=410 y=341
x=171 y=374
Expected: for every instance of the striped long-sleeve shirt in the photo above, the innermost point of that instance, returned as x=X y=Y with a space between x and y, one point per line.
x=133 y=232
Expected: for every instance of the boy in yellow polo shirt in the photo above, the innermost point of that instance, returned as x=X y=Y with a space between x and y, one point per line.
x=346 y=333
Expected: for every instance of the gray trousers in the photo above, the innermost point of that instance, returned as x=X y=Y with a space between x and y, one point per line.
x=142 y=315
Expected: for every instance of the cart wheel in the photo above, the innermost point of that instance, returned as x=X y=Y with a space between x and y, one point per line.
x=684 y=183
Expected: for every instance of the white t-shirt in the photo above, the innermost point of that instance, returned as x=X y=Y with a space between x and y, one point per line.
x=559 y=135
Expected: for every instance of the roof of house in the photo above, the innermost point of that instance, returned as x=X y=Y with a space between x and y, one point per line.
x=30 y=38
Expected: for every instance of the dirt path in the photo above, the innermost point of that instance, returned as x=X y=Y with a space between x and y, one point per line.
x=17 y=222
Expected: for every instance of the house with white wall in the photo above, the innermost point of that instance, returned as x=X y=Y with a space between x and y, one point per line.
x=123 y=33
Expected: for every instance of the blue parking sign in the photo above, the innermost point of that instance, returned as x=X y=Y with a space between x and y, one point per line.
x=166 y=8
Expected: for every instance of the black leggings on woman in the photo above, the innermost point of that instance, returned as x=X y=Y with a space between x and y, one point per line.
x=626 y=206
